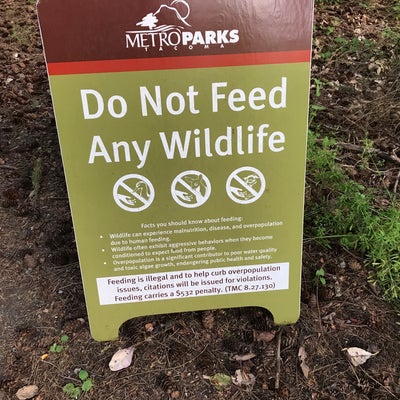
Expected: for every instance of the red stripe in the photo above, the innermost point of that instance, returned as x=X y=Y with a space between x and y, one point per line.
x=151 y=64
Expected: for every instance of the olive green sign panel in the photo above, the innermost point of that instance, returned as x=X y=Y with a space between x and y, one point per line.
x=183 y=141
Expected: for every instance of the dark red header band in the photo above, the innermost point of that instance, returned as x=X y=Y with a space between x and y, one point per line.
x=153 y=64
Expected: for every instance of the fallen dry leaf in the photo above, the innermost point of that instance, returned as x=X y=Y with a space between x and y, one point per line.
x=208 y=320
x=244 y=357
x=263 y=336
x=302 y=358
x=121 y=359
x=27 y=392
x=241 y=378
x=358 y=356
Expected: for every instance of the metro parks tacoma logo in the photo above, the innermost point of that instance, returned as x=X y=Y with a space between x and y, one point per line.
x=168 y=27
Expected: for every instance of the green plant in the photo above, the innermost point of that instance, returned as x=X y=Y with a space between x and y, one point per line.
x=36 y=178
x=320 y=276
x=389 y=33
x=327 y=1
x=87 y=383
x=75 y=391
x=329 y=30
x=365 y=4
x=342 y=210
x=381 y=242
x=326 y=55
x=354 y=45
x=59 y=347
x=72 y=390
x=318 y=84
x=22 y=34
x=314 y=108
x=396 y=9
x=367 y=153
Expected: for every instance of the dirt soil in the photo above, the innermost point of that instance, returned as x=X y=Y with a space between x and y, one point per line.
x=41 y=295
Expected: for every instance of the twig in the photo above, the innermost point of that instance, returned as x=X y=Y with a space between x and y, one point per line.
x=4 y=166
x=326 y=366
x=360 y=149
x=278 y=360
x=319 y=311
x=355 y=147
x=355 y=373
x=352 y=254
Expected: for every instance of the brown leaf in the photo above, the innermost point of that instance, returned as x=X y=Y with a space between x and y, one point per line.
x=302 y=358
x=208 y=320
x=263 y=336
x=241 y=378
x=244 y=357
x=27 y=392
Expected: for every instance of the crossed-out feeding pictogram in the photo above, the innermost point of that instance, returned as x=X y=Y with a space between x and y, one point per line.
x=133 y=193
x=245 y=185
x=191 y=189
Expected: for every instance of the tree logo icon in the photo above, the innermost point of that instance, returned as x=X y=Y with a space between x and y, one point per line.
x=149 y=21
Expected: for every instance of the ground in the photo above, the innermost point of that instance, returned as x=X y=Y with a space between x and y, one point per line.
x=178 y=356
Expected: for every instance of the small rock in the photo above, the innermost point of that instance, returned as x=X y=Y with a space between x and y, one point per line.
x=27 y=392
x=3 y=395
